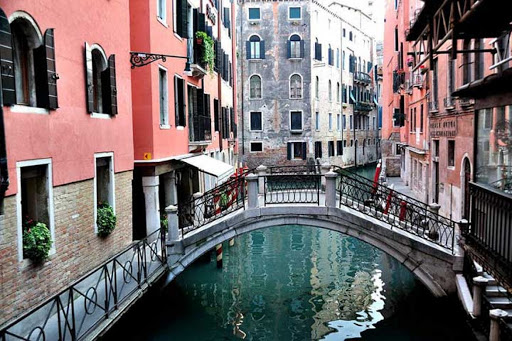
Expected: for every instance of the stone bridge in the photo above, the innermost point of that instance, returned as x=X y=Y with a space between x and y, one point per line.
x=407 y=230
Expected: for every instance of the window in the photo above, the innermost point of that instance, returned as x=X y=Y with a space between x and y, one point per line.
x=216 y=123
x=435 y=83
x=255 y=87
x=295 y=47
x=162 y=86
x=344 y=33
x=317 y=88
x=344 y=122
x=103 y=183
x=350 y=123
x=254 y=14
x=179 y=102
x=343 y=61
x=451 y=153
x=451 y=79
x=296 y=151
x=338 y=122
x=350 y=35
x=338 y=58
x=296 y=120
x=294 y=13
x=181 y=18
x=396 y=39
x=398 y=149
x=318 y=149
x=466 y=62
x=421 y=118
x=256 y=147
x=317 y=121
x=330 y=121
x=318 y=50
x=255 y=48
x=487 y=118
x=295 y=86
x=330 y=55
x=256 y=121
x=33 y=82
x=436 y=148
x=330 y=148
x=101 y=81
x=161 y=9
x=330 y=91
x=338 y=92
x=34 y=197
x=339 y=147
x=479 y=59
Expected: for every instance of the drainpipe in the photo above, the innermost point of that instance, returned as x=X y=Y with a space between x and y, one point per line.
x=242 y=114
x=4 y=173
x=219 y=78
x=341 y=85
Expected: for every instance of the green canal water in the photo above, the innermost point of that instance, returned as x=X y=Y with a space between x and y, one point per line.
x=294 y=283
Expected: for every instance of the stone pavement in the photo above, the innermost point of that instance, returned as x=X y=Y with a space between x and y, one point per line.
x=401 y=187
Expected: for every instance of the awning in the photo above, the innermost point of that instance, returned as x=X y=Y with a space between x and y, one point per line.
x=209 y=165
x=375 y=101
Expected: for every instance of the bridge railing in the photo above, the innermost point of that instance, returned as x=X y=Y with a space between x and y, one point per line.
x=292 y=188
x=212 y=205
x=394 y=208
x=75 y=312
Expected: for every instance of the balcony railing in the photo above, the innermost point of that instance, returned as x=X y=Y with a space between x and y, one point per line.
x=200 y=129
x=363 y=106
x=362 y=77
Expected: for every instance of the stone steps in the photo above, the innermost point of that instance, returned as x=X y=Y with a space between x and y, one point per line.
x=495 y=291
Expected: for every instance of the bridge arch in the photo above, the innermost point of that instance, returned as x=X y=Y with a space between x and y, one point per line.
x=431 y=264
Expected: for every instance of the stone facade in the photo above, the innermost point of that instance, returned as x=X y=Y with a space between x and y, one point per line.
x=77 y=249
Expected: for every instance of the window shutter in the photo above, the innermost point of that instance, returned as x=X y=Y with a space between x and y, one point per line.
x=226 y=17
x=289 y=151
x=49 y=43
x=262 y=49
x=232 y=119
x=201 y=22
x=176 y=103
x=288 y=49
x=304 y=150
x=88 y=79
x=248 y=49
x=182 y=18
x=6 y=61
x=302 y=54
x=319 y=51
x=218 y=54
x=111 y=85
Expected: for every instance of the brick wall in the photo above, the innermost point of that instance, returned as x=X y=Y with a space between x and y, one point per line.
x=77 y=248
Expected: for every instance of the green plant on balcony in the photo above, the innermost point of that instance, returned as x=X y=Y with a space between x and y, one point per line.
x=208 y=55
x=164 y=222
x=37 y=240
x=105 y=220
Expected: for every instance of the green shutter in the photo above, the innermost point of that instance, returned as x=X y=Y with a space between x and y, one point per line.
x=6 y=61
x=88 y=78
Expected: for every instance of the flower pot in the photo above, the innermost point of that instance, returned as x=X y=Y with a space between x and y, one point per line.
x=199 y=41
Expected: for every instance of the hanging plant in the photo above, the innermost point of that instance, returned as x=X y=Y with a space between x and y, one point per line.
x=105 y=220
x=37 y=241
x=208 y=55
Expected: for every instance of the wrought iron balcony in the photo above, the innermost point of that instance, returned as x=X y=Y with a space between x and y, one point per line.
x=363 y=106
x=200 y=131
x=362 y=77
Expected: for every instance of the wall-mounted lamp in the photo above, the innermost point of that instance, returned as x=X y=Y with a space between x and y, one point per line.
x=138 y=59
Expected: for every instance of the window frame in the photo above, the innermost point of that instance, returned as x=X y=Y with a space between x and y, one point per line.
x=299 y=42
x=450 y=154
x=249 y=13
x=112 y=193
x=294 y=7
x=185 y=102
x=165 y=124
x=251 y=54
x=162 y=19
x=261 y=87
x=301 y=121
x=261 y=121
x=301 y=96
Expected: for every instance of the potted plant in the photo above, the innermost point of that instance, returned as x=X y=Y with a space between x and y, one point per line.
x=208 y=55
x=105 y=219
x=37 y=240
x=164 y=222
x=423 y=69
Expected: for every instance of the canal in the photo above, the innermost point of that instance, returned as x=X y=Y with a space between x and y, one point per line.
x=294 y=283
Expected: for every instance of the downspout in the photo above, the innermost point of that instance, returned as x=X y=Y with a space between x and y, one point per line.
x=341 y=85
x=242 y=114
x=4 y=173
x=219 y=77
x=234 y=64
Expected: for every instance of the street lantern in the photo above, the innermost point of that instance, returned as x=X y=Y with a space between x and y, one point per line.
x=139 y=59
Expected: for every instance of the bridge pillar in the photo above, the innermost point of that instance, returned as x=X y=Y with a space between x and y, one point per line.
x=324 y=169
x=479 y=284
x=150 y=186
x=174 y=250
x=330 y=189
x=252 y=190
x=496 y=315
x=433 y=232
x=262 y=171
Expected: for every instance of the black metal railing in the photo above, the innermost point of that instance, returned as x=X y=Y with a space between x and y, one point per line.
x=201 y=128
x=363 y=106
x=362 y=77
x=76 y=311
x=298 y=188
x=212 y=205
x=490 y=234
x=295 y=169
x=394 y=208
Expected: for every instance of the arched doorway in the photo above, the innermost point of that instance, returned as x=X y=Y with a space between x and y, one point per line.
x=467 y=196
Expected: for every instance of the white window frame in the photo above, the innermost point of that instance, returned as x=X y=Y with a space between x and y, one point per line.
x=289 y=10
x=292 y=149
x=51 y=213
x=250 y=146
x=253 y=20
x=301 y=121
x=95 y=114
x=260 y=54
x=301 y=86
x=166 y=123
x=250 y=121
x=112 y=194
x=162 y=19
x=261 y=87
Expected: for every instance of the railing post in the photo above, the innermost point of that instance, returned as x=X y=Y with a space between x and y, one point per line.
x=173 y=234
x=330 y=189
x=495 y=315
x=324 y=169
x=464 y=227
x=150 y=185
x=261 y=170
x=433 y=232
x=252 y=191
x=479 y=284
x=198 y=208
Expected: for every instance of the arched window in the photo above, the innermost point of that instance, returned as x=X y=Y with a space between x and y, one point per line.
x=295 y=47
x=338 y=92
x=255 y=48
x=101 y=81
x=296 y=86
x=330 y=91
x=255 y=87
x=317 y=88
x=33 y=56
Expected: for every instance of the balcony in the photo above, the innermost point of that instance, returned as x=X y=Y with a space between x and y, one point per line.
x=200 y=131
x=363 y=107
x=362 y=77
x=195 y=58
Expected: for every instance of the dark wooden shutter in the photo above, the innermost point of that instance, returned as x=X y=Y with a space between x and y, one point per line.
x=109 y=85
x=289 y=151
x=262 y=49
x=216 y=114
x=226 y=17
x=248 y=49
x=302 y=54
x=7 y=61
x=201 y=22
x=232 y=119
x=319 y=51
x=88 y=79
x=182 y=18
x=49 y=43
x=288 y=49
x=176 y=102
x=304 y=150
x=44 y=73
